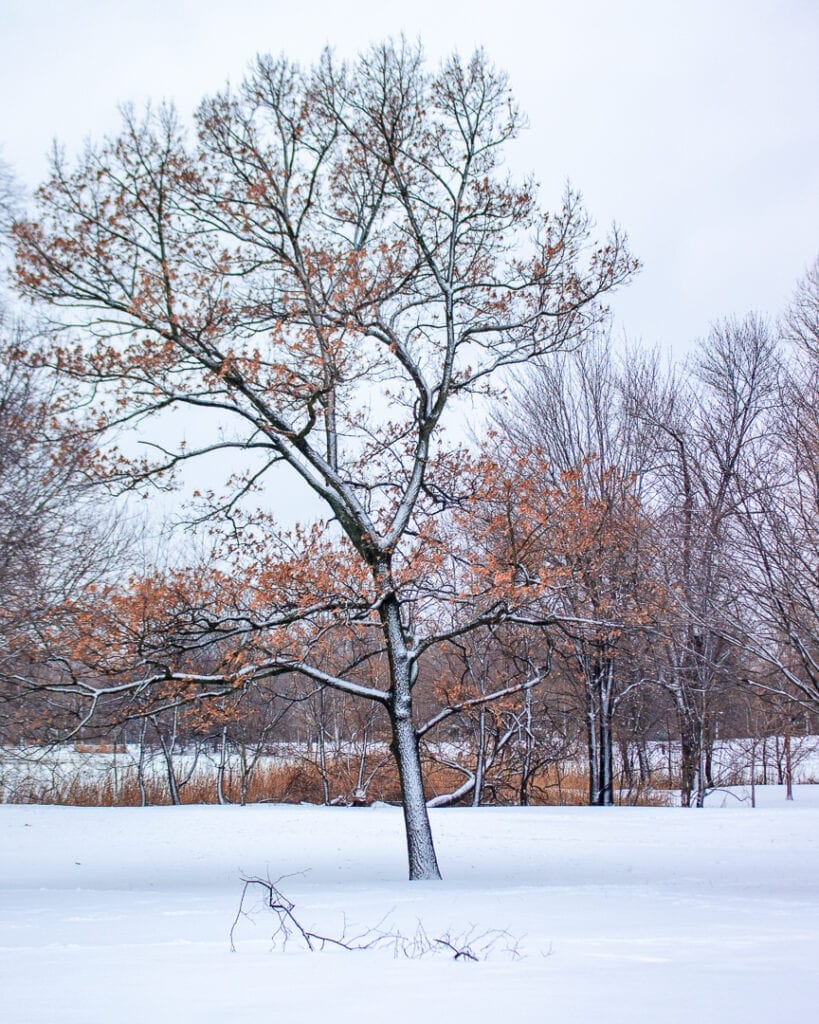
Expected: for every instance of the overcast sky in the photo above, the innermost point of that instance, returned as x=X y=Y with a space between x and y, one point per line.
x=693 y=124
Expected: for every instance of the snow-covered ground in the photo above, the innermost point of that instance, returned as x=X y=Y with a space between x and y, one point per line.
x=621 y=914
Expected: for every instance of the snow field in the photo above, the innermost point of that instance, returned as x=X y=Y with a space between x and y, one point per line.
x=620 y=914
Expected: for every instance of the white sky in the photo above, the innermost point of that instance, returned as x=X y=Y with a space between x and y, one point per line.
x=693 y=124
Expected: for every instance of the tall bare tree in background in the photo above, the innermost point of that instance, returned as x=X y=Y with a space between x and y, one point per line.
x=780 y=505
x=801 y=321
x=712 y=422
x=567 y=423
x=11 y=195
x=54 y=539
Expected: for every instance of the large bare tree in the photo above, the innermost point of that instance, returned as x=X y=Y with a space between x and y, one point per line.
x=337 y=258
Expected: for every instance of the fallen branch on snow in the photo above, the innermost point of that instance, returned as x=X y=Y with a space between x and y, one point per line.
x=470 y=945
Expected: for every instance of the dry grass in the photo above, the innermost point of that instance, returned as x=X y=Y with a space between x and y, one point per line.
x=300 y=781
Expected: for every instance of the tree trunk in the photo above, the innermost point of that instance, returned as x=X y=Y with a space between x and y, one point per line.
x=114 y=777
x=322 y=750
x=423 y=864
x=701 y=779
x=605 y=681
x=220 y=771
x=689 y=754
x=627 y=772
x=708 y=742
x=788 y=769
x=244 y=780
x=477 y=792
x=173 y=788
x=360 y=791
x=592 y=741
x=526 y=767
x=643 y=760
x=143 y=793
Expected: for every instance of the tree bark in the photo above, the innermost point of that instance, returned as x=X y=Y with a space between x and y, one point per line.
x=605 y=677
x=423 y=864
x=220 y=772
x=593 y=744
x=526 y=767
x=481 y=764
x=788 y=769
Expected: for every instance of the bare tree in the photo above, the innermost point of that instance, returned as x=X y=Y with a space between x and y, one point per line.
x=802 y=316
x=11 y=195
x=51 y=545
x=713 y=421
x=779 y=566
x=567 y=421
x=337 y=259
